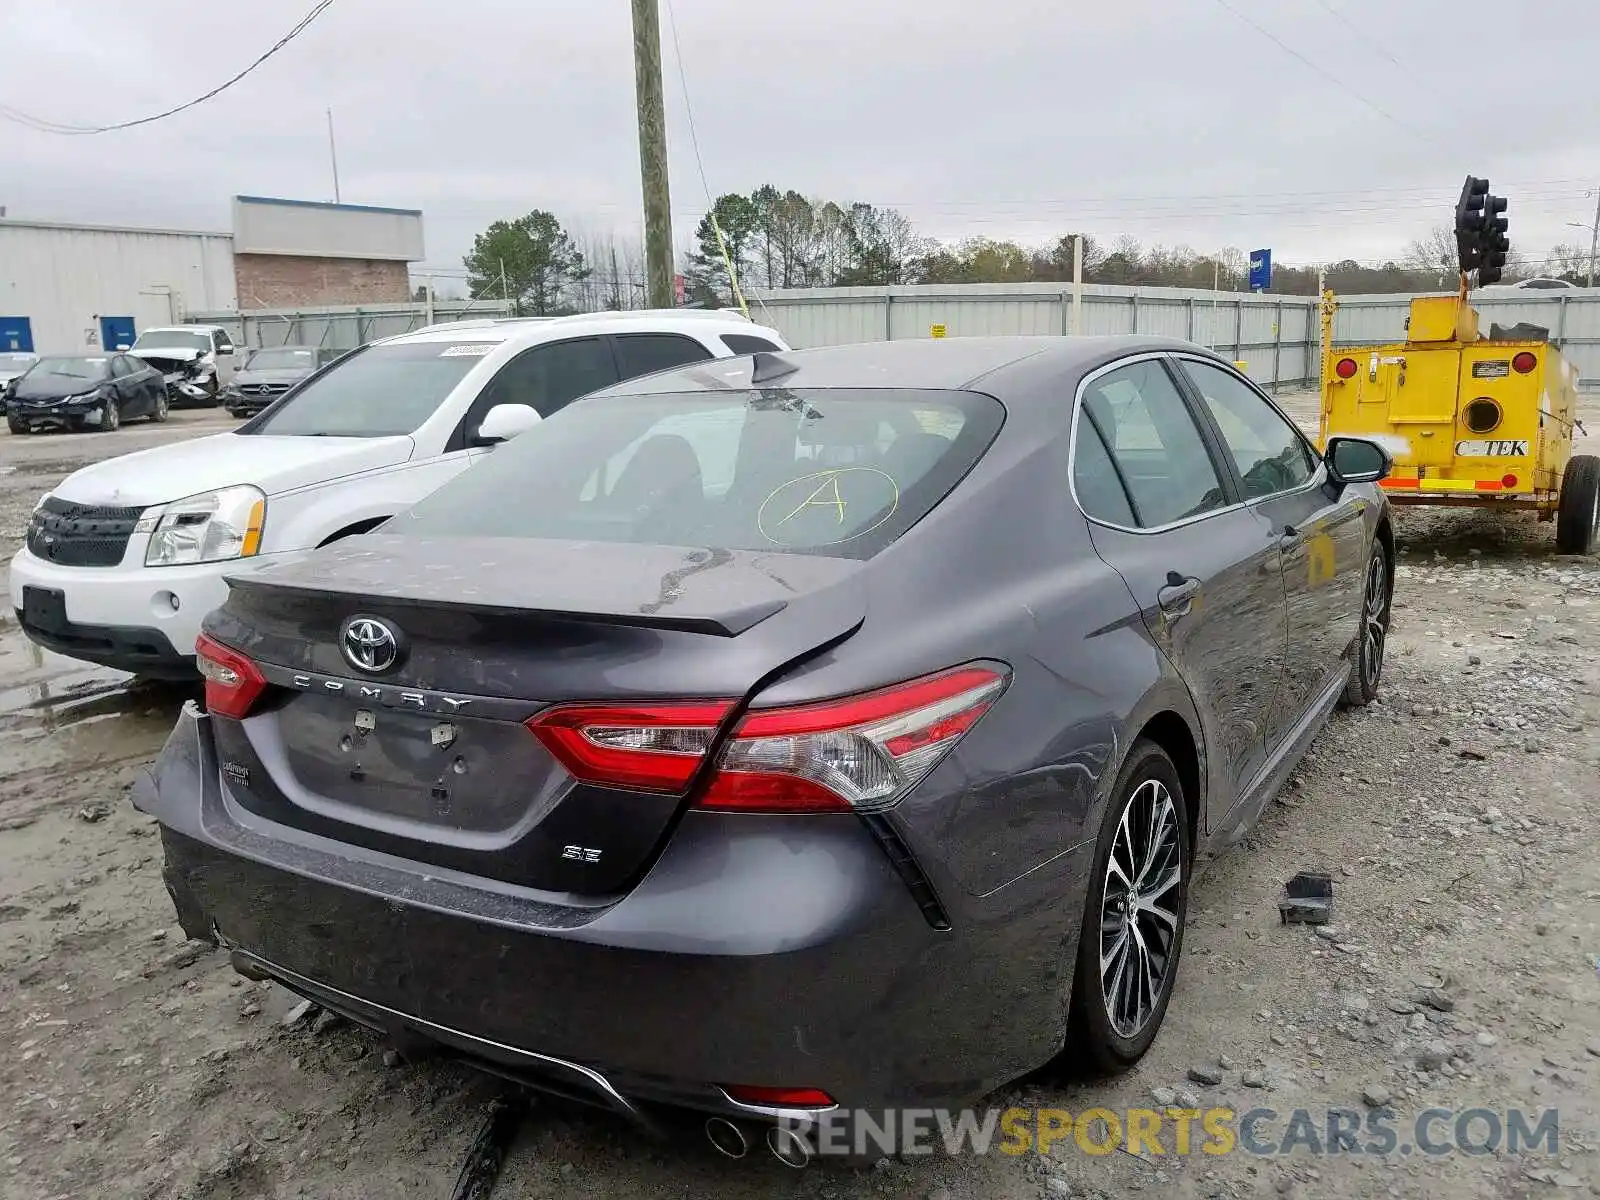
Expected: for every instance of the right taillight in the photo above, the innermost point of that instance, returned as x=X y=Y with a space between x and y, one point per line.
x=1524 y=362
x=856 y=754
x=233 y=682
x=1346 y=368
x=860 y=753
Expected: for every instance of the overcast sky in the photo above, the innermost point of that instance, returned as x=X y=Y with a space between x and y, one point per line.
x=1171 y=120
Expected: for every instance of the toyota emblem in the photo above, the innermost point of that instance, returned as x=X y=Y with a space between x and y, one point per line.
x=370 y=645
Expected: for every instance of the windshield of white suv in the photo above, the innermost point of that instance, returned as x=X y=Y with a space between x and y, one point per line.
x=172 y=339
x=379 y=392
x=281 y=358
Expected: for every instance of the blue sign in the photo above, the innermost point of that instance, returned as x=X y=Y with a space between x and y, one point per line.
x=1260 y=270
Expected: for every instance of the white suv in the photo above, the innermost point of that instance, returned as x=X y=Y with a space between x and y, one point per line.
x=125 y=557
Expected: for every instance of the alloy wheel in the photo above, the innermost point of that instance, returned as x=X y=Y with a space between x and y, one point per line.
x=1374 y=608
x=1139 y=911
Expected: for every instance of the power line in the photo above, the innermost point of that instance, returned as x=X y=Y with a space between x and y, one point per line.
x=1338 y=83
x=1363 y=36
x=42 y=125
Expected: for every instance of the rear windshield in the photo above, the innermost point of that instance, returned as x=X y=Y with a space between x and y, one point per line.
x=837 y=472
x=380 y=392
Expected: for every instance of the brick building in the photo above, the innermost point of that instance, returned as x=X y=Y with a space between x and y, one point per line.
x=300 y=253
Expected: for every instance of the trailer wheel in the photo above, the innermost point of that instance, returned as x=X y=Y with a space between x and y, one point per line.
x=1579 y=516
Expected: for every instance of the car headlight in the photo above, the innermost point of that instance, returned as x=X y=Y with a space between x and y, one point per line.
x=211 y=527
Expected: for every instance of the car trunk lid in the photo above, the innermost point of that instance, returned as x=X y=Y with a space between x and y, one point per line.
x=430 y=758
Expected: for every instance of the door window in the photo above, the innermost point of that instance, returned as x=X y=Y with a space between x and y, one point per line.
x=1154 y=445
x=547 y=378
x=120 y=368
x=1271 y=455
x=646 y=353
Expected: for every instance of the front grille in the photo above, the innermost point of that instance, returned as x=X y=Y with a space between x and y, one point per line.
x=264 y=389
x=81 y=535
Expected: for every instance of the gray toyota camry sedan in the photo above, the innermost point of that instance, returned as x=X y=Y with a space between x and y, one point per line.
x=831 y=728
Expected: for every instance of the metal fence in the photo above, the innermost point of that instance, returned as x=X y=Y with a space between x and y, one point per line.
x=343 y=327
x=1275 y=335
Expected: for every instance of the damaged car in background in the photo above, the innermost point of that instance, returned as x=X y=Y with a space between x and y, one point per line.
x=14 y=364
x=85 y=391
x=195 y=360
x=271 y=372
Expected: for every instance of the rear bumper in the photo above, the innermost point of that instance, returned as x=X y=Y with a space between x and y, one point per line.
x=757 y=950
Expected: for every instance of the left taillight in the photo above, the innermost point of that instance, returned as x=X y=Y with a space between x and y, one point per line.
x=855 y=754
x=233 y=682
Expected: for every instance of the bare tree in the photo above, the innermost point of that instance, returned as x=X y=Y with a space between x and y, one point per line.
x=1435 y=253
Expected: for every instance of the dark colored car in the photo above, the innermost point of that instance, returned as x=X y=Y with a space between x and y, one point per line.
x=85 y=392
x=833 y=728
x=269 y=373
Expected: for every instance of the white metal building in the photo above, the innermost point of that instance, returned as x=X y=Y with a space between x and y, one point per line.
x=64 y=288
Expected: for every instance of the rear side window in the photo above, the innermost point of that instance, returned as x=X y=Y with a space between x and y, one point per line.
x=835 y=472
x=1154 y=443
x=1095 y=479
x=646 y=353
x=746 y=343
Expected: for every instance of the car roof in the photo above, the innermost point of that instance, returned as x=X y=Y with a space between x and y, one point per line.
x=183 y=329
x=1007 y=368
x=538 y=329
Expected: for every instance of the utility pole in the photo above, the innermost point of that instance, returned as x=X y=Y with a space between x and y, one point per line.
x=1594 y=240
x=653 y=152
x=333 y=156
x=1077 y=283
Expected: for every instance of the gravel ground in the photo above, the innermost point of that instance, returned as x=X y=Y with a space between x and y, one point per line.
x=1458 y=818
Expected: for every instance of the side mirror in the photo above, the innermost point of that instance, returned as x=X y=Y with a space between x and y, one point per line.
x=1356 y=460
x=504 y=422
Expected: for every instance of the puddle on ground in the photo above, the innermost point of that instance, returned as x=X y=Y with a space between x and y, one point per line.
x=57 y=712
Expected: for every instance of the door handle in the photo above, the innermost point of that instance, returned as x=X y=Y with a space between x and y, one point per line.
x=1290 y=538
x=1176 y=596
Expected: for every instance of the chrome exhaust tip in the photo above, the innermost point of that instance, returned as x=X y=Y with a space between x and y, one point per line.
x=726 y=1138
x=788 y=1147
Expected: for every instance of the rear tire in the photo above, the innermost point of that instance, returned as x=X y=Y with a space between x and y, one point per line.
x=1579 y=515
x=159 y=413
x=1137 y=903
x=1372 y=633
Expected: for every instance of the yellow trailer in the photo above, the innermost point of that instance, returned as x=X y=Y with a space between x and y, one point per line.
x=1469 y=419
